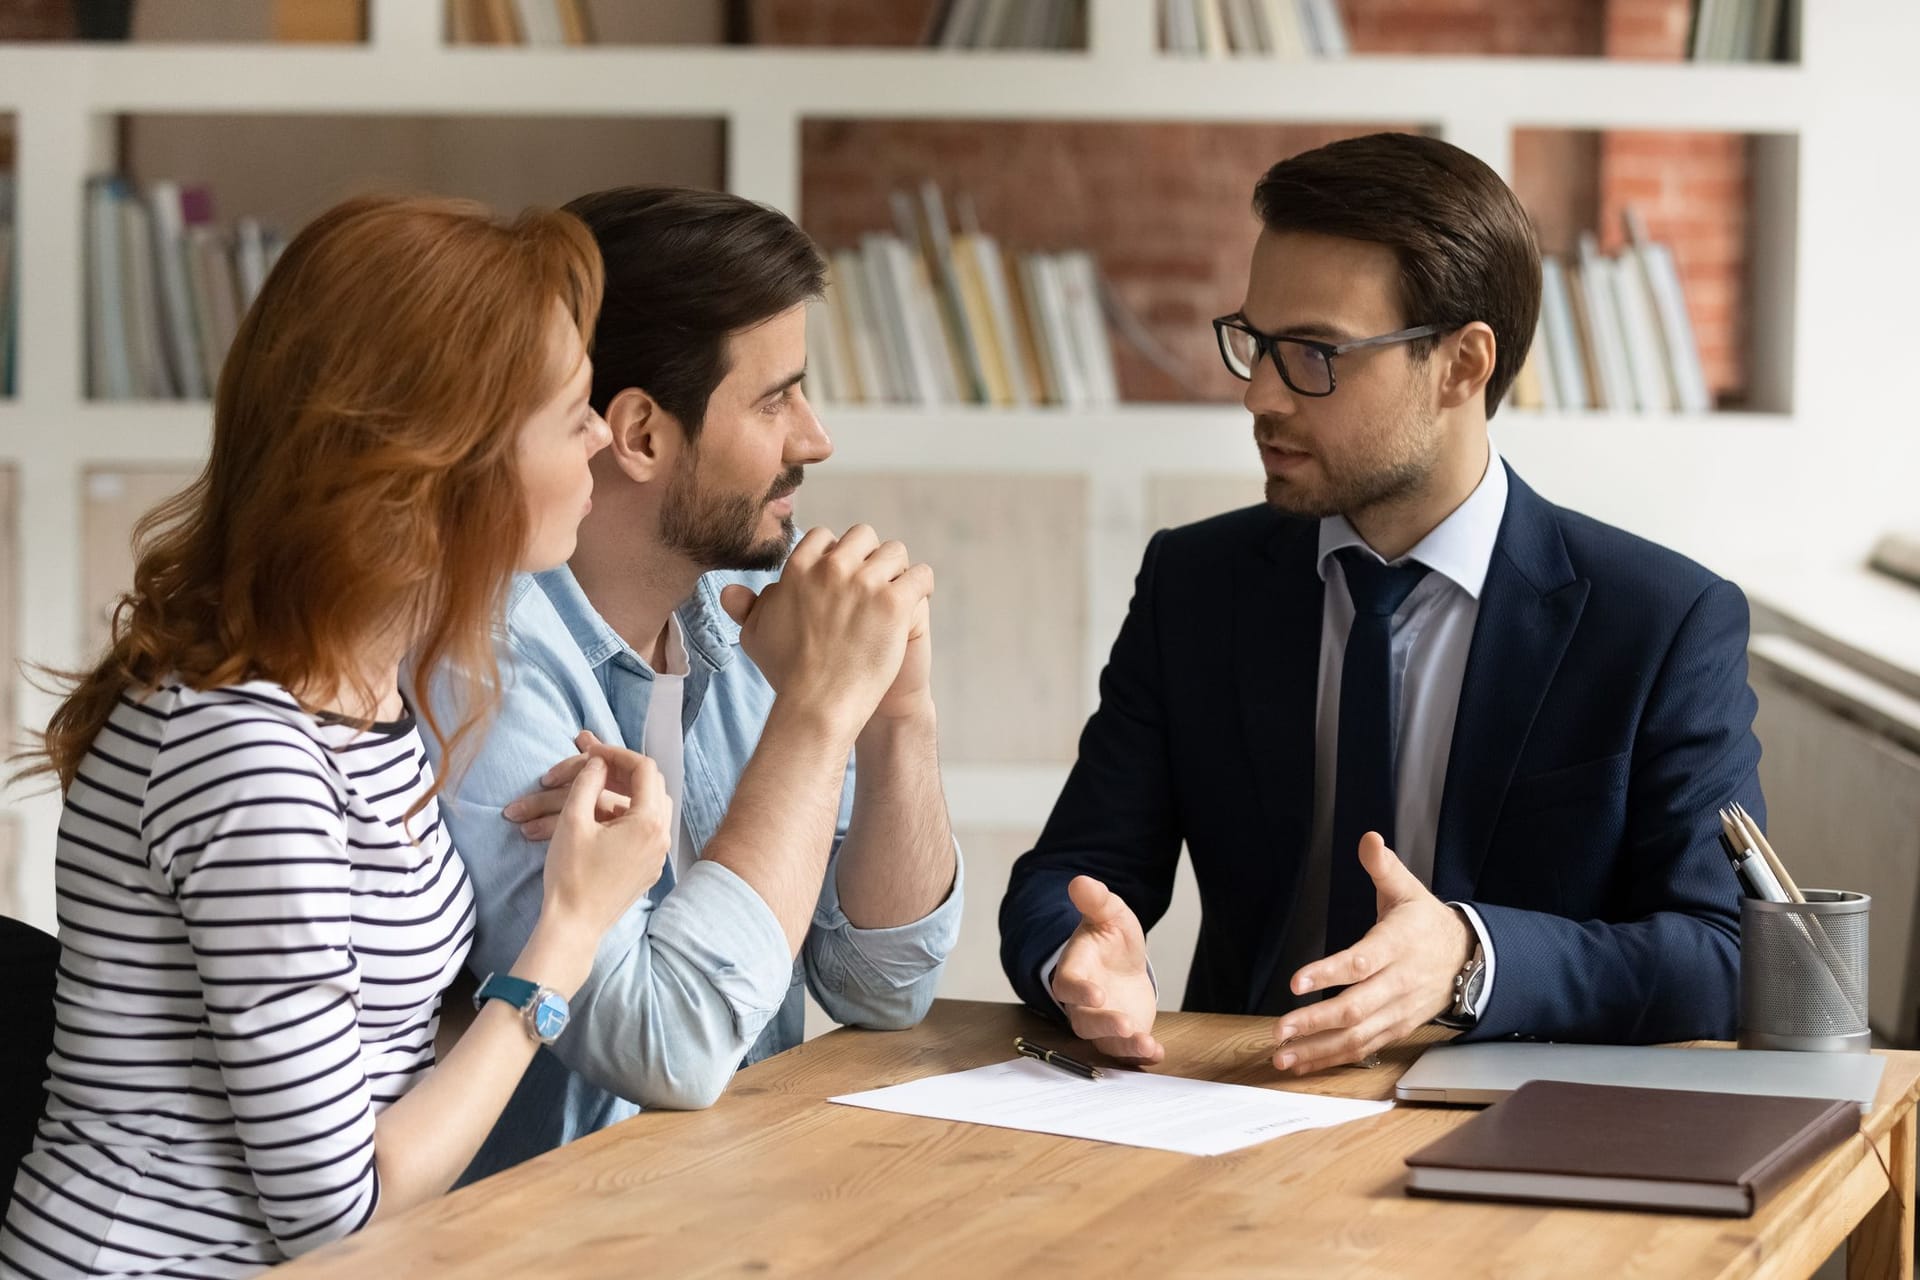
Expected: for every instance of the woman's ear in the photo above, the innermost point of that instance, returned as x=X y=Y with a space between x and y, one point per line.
x=645 y=436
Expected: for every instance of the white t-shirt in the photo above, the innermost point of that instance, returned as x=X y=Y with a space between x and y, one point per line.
x=665 y=742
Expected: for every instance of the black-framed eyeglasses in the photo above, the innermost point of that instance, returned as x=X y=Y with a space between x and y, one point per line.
x=1306 y=366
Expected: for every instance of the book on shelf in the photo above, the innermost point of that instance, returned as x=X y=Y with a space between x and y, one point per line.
x=1288 y=30
x=1614 y=333
x=550 y=24
x=166 y=289
x=322 y=21
x=1007 y=24
x=931 y=314
x=1744 y=31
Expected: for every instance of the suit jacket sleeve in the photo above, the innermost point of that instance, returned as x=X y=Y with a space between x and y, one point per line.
x=1115 y=819
x=1665 y=963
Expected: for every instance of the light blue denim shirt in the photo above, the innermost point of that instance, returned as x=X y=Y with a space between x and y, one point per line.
x=696 y=980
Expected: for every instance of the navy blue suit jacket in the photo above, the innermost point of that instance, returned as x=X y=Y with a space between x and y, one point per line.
x=1604 y=716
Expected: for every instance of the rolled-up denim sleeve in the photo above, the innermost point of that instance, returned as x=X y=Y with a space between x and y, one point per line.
x=681 y=985
x=883 y=979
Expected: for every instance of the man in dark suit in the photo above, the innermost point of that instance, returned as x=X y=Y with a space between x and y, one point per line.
x=1438 y=749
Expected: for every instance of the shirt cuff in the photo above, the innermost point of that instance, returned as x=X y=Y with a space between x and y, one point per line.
x=1053 y=962
x=1486 y=957
x=905 y=953
x=727 y=931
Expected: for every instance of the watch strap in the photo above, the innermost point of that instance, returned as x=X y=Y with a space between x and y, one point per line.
x=516 y=992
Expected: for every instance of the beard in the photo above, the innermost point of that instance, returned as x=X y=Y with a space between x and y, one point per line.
x=1386 y=472
x=722 y=530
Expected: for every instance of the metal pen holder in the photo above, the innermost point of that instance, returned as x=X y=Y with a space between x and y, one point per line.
x=1803 y=972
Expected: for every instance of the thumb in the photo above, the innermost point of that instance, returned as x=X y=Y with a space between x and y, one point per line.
x=584 y=793
x=1390 y=875
x=738 y=601
x=1097 y=904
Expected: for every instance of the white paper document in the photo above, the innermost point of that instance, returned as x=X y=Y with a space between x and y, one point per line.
x=1132 y=1108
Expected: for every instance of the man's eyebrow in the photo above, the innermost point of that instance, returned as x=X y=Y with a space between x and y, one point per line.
x=1318 y=329
x=791 y=380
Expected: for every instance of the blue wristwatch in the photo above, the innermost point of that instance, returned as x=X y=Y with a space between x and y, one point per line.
x=543 y=1009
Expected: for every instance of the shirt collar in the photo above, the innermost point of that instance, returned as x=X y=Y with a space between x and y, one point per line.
x=1459 y=548
x=701 y=626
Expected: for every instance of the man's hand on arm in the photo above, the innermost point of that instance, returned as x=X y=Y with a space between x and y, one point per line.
x=1398 y=976
x=1102 y=982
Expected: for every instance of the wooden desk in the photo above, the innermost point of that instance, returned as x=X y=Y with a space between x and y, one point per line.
x=776 y=1181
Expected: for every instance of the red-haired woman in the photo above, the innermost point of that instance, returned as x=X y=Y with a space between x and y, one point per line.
x=259 y=907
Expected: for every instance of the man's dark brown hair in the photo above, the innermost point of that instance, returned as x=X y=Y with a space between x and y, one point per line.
x=685 y=268
x=1466 y=248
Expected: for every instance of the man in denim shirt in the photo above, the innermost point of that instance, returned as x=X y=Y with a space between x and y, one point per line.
x=683 y=629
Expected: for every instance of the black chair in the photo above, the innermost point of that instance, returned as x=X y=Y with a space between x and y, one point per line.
x=28 y=959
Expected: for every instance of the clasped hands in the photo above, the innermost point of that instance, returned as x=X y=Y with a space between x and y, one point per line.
x=1397 y=977
x=845 y=634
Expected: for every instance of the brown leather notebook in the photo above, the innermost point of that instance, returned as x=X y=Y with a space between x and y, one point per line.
x=1588 y=1144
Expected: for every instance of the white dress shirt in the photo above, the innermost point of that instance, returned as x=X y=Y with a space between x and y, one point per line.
x=1427 y=658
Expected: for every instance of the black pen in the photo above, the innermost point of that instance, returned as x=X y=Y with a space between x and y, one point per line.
x=1027 y=1048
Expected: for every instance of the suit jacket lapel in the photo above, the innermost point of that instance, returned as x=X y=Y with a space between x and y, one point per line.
x=1276 y=645
x=1529 y=607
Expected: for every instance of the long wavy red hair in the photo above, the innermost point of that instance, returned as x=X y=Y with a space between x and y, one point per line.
x=363 y=479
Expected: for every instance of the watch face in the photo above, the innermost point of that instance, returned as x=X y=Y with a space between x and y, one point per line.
x=550 y=1017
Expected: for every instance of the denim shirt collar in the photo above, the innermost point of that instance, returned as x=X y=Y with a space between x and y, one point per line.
x=711 y=634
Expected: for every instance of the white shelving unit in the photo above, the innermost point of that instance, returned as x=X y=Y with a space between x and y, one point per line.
x=1645 y=473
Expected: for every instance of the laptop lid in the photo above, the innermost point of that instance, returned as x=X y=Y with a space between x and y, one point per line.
x=1479 y=1074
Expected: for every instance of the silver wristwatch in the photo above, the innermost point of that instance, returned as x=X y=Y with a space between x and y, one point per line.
x=1467 y=985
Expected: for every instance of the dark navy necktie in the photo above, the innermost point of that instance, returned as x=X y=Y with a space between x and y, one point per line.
x=1363 y=797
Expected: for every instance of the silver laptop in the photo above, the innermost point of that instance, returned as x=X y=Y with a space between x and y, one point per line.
x=1482 y=1073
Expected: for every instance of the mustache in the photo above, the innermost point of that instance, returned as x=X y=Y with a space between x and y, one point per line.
x=1269 y=432
x=789 y=480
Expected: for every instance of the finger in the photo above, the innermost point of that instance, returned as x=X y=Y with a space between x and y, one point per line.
x=806 y=552
x=1134 y=1051
x=922 y=623
x=914 y=583
x=1071 y=987
x=855 y=545
x=887 y=562
x=738 y=601
x=1349 y=1008
x=1373 y=953
x=1390 y=876
x=584 y=739
x=537 y=804
x=1098 y=905
x=609 y=807
x=1334 y=1048
x=627 y=769
x=585 y=793
x=562 y=774
x=1099 y=1024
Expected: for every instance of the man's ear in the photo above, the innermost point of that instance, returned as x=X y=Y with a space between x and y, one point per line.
x=1470 y=367
x=645 y=436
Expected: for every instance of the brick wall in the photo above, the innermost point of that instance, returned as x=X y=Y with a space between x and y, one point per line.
x=1694 y=192
x=1538 y=28
x=1165 y=207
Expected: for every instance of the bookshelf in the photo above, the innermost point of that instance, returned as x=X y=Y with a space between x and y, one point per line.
x=1135 y=466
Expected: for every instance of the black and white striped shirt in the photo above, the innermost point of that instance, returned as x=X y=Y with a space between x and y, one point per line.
x=252 y=956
